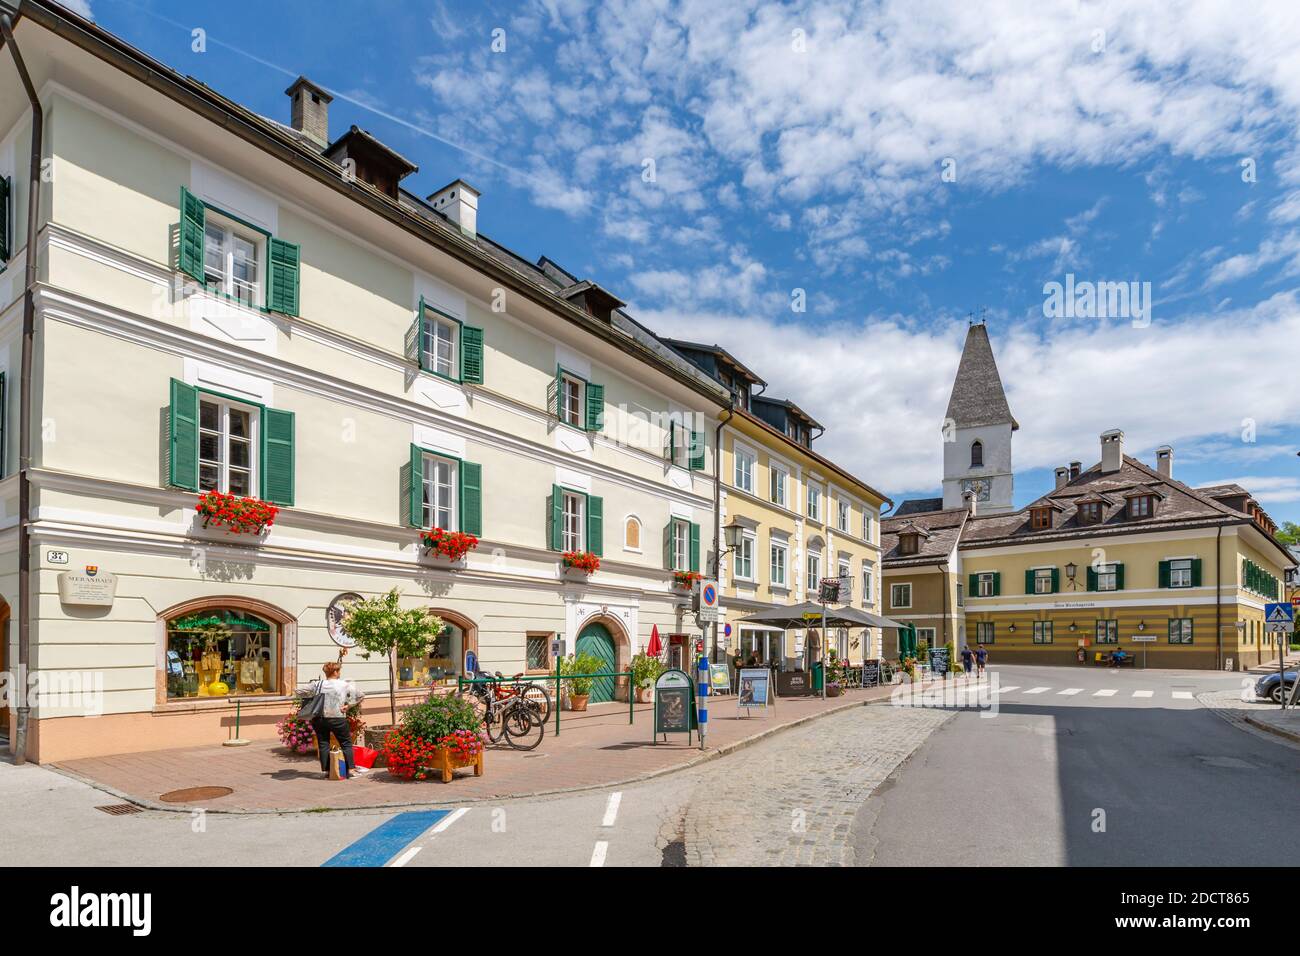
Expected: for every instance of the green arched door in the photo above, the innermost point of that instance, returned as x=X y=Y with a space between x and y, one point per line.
x=595 y=639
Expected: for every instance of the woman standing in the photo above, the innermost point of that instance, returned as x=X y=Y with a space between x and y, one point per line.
x=337 y=696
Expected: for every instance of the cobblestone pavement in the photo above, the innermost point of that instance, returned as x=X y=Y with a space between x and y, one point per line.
x=792 y=800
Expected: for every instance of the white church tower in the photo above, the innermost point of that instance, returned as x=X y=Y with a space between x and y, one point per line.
x=977 y=431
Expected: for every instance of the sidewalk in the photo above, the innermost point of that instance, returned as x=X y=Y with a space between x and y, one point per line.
x=1259 y=715
x=595 y=749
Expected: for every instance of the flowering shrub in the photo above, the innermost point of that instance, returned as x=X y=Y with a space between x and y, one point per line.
x=463 y=744
x=584 y=561
x=686 y=579
x=239 y=515
x=413 y=758
x=452 y=545
x=296 y=734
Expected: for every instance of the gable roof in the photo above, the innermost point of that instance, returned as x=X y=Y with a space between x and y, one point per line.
x=977 y=395
x=939 y=532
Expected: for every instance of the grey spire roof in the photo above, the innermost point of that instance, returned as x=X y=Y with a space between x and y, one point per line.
x=977 y=395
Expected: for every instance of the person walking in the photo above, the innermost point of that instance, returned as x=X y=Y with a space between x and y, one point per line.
x=337 y=696
x=966 y=659
x=981 y=659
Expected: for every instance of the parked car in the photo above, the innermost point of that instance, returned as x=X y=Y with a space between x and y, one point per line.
x=1270 y=686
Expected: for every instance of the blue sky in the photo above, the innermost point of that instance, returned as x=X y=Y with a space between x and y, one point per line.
x=902 y=164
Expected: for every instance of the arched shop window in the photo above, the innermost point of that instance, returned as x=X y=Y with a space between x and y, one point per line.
x=444 y=661
x=222 y=652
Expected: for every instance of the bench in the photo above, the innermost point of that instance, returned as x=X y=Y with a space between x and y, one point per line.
x=1128 y=660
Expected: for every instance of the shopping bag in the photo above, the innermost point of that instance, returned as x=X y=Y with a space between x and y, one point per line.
x=338 y=766
x=364 y=756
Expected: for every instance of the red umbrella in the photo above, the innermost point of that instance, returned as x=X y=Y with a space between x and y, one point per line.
x=656 y=646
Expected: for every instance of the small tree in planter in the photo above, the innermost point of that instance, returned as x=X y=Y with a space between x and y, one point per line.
x=834 y=674
x=579 y=688
x=645 y=670
x=380 y=625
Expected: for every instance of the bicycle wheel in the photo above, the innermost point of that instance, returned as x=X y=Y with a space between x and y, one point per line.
x=523 y=730
x=539 y=695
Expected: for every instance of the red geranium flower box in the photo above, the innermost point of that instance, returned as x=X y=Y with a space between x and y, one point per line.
x=686 y=579
x=583 y=561
x=237 y=515
x=452 y=545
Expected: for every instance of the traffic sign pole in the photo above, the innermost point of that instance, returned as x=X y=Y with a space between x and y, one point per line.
x=1279 y=619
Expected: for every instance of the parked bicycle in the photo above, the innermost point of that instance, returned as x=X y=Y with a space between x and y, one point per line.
x=512 y=717
x=532 y=691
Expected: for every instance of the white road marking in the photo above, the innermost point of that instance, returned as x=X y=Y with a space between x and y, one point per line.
x=1006 y=690
x=598 y=854
x=1069 y=691
x=611 y=809
x=1105 y=693
x=1038 y=690
x=1143 y=693
x=449 y=819
x=405 y=858
x=1182 y=695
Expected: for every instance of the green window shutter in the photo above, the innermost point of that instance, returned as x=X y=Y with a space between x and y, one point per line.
x=555 y=513
x=1029 y=581
x=1196 y=572
x=282 y=289
x=183 y=442
x=1119 y=577
x=595 y=525
x=695 y=547
x=415 y=339
x=595 y=407
x=1165 y=576
x=973 y=586
x=471 y=354
x=277 y=456
x=997 y=583
x=194 y=217
x=471 y=498
x=668 y=546
x=1056 y=580
x=672 y=441
x=697 y=451
x=415 y=488
x=1092 y=578
x=6 y=240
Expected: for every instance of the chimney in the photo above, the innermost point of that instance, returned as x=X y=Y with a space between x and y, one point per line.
x=458 y=201
x=1165 y=461
x=310 y=110
x=1062 y=476
x=1075 y=468
x=972 y=502
x=1112 y=451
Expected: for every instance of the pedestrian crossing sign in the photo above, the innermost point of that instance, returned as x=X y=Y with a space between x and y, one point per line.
x=1279 y=618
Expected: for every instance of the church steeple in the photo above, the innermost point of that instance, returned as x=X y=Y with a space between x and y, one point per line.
x=977 y=430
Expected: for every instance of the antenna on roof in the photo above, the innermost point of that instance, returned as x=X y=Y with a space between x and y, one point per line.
x=984 y=315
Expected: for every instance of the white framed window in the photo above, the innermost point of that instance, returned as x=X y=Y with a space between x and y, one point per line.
x=227 y=446
x=574 y=531
x=814 y=502
x=1042 y=632
x=440 y=341
x=681 y=545
x=1107 y=632
x=1043 y=581
x=780 y=556
x=777 y=476
x=232 y=259
x=1107 y=577
x=745 y=557
x=843 y=514
x=961 y=595
x=984 y=584
x=1180 y=630
x=679 y=438
x=1180 y=573
x=439 y=493
x=571 y=411
x=844 y=568
x=866 y=525
x=814 y=573
x=984 y=632
x=744 y=469
x=926 y=634
x=868 y=581
x=900 y=595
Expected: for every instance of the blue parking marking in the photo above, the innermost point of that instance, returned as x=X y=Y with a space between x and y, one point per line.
x=383 y=842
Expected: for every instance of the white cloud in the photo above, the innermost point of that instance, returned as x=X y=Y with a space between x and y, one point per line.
x=80 y=7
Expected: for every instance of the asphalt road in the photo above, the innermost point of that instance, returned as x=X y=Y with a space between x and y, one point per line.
x=1094 y=767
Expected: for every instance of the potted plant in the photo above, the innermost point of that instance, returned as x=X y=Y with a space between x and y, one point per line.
x=380 y=625
x=685 y=580
x=645 y=670
x=579 y=688
x=834 y=674
x=452 y=545
x=296 y=734
x=438 y=735
x=237 y=515
x=584 y=562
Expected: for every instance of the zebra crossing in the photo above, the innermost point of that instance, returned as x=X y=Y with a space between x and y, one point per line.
x=1140 y=694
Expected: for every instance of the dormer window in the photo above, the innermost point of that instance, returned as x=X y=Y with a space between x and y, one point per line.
x=1141 y=506
x=909 y=543
x=977 y=454
x=1040 y=518
x=1090 y=512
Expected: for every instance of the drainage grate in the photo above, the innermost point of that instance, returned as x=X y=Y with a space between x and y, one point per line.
x=191 y=794
x=120 y=809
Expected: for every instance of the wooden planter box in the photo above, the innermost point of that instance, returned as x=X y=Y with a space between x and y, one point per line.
x=446 y=763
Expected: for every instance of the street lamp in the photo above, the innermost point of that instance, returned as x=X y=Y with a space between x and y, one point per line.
x=1071 y=570
x=732 y=535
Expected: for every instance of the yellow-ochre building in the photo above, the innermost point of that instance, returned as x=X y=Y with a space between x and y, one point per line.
x=802 y=518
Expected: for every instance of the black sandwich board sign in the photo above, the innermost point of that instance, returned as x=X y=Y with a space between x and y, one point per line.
x=674 y=711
